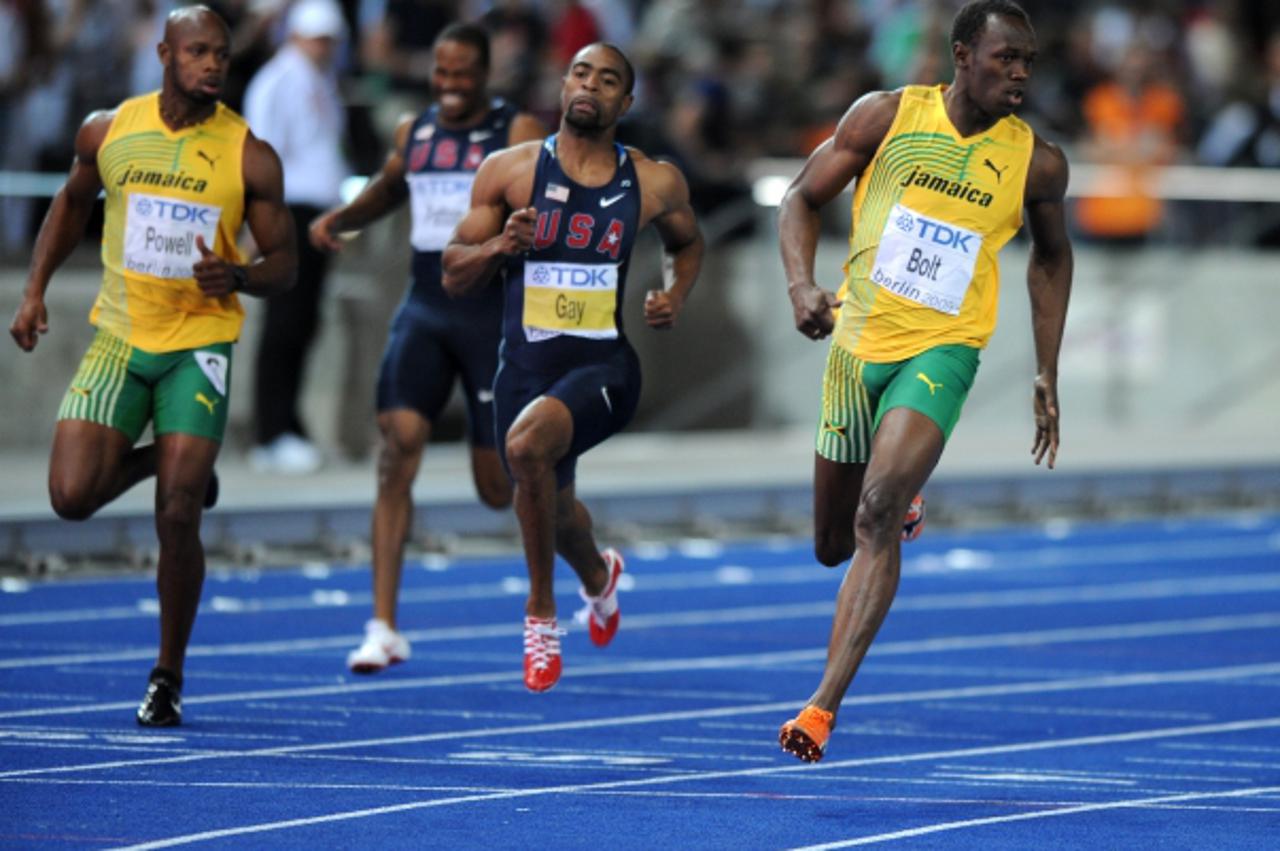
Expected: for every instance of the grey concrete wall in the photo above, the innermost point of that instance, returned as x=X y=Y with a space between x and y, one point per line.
x=1168 y=350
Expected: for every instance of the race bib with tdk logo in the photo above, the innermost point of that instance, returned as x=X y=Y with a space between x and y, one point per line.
x=577 y=299
x=926 y=260
x=438 y=201
x=160 y=235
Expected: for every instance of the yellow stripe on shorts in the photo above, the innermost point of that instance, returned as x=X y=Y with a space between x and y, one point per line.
x=97 y=384
x=845 y=429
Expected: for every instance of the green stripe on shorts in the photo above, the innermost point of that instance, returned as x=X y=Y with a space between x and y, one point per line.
x=99 y=382
x=846 y=427
x=857 y=394
x=123 y=387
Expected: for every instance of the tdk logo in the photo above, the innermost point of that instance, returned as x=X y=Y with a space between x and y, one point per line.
x=175 y=211
x=936 y=232
x=578 y=276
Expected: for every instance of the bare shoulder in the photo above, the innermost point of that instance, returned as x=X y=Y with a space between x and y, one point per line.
x=507 y=164
x=658 y=176
x=1048 y=173
x=93 y=132
x=506 y=175
x=403 y=126
x=865 y=124
x=258 y=152
x=263 y=174
x=526 y=127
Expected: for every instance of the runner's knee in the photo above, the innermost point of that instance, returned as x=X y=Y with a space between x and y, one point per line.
x=397 y=463
x=72 y=500
x=833 y=548
x=526 y=454
x=880 y=513
x=178 y=515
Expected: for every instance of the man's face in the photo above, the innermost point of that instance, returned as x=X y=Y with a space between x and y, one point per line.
x=997 y=67
x=196 y=58
x=594 y=96
x=458 y=80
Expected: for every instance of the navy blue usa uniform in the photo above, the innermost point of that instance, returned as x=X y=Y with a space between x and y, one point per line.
x=562 y=331
x=434 y=338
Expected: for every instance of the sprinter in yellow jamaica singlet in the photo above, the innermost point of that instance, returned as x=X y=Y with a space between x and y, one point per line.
x=945 y=176
x=181 y=174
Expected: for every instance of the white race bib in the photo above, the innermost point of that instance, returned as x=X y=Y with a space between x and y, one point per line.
x=160 y=234
x=926 y=260
x=438 y=201
x=574 y=299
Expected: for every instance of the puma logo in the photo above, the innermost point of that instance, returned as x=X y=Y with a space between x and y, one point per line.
x=207 y=402
x=933 y=388
x=212 y=161
x=999 y=171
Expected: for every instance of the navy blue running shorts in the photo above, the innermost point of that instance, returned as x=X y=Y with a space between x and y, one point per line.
x=427 y=350
x=602 y=397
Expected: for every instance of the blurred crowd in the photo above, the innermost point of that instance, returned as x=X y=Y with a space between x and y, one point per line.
x=720 y=82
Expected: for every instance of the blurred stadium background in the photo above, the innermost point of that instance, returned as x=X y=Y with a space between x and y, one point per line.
x=1170 y=377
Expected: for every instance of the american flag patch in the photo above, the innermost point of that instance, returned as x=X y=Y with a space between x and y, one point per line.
x=556 y=192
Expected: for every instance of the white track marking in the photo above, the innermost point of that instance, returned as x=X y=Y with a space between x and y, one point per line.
x=787 y=659
x=702 y=617
x=1145 y=776
x=1048 y=744
x=791 y=575
x=613 y=793
x=1054 y=686
x=1072 y=711
x=1063 y=811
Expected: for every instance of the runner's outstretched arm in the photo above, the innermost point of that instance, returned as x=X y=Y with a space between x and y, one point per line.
x=62 y=229
x=682 y=246
x=1049 y=272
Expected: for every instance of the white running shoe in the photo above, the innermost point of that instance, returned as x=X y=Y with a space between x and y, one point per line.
x=382 y=646
x=288 y=455
x=602 y=611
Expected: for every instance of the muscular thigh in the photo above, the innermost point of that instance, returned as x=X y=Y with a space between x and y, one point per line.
x=836 y=489
x=473 y=343
x=935 y=383
x=601 y=398
x=123 y=388
x=857 y=394
x=418 y=370
x=191 y=392
x=108 y=390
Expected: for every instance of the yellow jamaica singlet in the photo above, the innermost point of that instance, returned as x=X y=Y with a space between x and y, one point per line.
x=930 y=214
x=164 y=188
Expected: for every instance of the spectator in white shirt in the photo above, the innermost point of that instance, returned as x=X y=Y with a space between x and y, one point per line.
x=293 y=103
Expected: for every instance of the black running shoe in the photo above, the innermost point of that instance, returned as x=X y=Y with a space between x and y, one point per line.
x=162 y=704
x=211 y=491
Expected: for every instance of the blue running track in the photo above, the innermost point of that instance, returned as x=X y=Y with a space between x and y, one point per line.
x=1108 y=686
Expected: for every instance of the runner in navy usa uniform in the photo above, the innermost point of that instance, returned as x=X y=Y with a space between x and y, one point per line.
x=561 y=216
x=434 y=339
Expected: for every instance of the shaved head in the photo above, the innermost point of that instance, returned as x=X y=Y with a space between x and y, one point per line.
x=190 y=19
x=196 y=55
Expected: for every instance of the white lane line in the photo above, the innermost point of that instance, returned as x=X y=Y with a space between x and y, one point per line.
x=1049 y=687
x=619 y=793
x=789 y=575
x=1063 y=811
x=1072 y=711
x=790 y=658
x=1024 y=747
x=703 y=617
